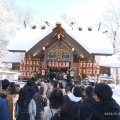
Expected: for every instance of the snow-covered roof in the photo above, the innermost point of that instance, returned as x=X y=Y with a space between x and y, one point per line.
x=25 y=39
x=110 y=61
x=13 y=57
x=93 y=41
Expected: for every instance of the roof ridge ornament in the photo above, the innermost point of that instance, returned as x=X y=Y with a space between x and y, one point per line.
x=58 y=23
x=58 y=35
x=90 y=28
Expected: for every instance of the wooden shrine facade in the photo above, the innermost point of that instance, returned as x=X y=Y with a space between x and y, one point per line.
x=58 y=51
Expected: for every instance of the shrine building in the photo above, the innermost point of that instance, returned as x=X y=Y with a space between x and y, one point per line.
x=58 y=48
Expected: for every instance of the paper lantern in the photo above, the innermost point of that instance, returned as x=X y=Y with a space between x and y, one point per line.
x=37 y=63
x=90 y=71
x=67 y=64
x=97 y=66
x=30 y=68
x=33 y=68
x=63 y=64
x=52 y=63
x=71 y=73
x=91 y=64
x=28 y=62
x=87 y=71
x=93 y=71
x=84 y=65
x=43 y=72
x=33 y=62
x=81 y=71
x=37 y=68
x=84 y=71
x=56 y=64
x=87 y=64
x=59 y=64
x=97 y=71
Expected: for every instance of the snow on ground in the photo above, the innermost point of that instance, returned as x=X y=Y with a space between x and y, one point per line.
x=116 y=92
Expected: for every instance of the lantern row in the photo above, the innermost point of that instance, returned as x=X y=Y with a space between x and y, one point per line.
x=29 y=62
x=58 y=64
x=27 y=68
x=89 y=71
x=88 y=65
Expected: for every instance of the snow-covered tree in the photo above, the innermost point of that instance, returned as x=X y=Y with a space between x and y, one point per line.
x=7 y=24
x=70 y=20
x=25 y=15
x=7 y=21
x=110 y=23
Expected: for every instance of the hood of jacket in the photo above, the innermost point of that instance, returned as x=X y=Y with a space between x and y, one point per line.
x=57 y=117
x=2 y=95
x=106 y=109
x=43 y=89
x=72 y=97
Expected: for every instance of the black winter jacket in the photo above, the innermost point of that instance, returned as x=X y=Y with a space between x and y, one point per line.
x=57 y=117
x=85 y=112
x=105 y=110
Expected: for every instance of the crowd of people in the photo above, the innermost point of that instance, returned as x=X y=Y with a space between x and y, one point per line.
x=43 y=100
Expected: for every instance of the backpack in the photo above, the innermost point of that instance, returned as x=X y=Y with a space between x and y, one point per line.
x=23 y=113
x=43 y=104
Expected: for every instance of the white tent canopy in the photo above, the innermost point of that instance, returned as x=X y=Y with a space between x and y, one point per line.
x=110 y=61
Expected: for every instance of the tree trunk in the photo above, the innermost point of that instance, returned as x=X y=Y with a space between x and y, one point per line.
x=117 y=76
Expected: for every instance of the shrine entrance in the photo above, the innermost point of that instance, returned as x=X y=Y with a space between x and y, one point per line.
x=58 y=66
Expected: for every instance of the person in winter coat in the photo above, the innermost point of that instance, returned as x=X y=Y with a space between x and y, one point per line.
x=25 y=99
x=68 y=77
x=5 y=88
x=69 y=111
x=49 y=90
x=4 y=112
x=15 y=95
x=75 y=95
x=2 y=95
x=61 y=86
x=32 y=81
x=85 y=112
x=56 y=101
x=41 y=101
x=106 y=107
x=30 y=87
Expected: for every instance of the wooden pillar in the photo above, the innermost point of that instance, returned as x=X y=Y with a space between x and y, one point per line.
x=72 y=60
x=45 y=59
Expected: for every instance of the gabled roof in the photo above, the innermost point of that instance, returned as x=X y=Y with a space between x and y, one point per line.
x=92 y=41
x=25 y=39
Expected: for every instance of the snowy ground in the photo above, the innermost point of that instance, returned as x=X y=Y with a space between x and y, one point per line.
x=116 y=92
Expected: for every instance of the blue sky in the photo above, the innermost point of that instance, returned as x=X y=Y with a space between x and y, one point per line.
x=86 y=11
